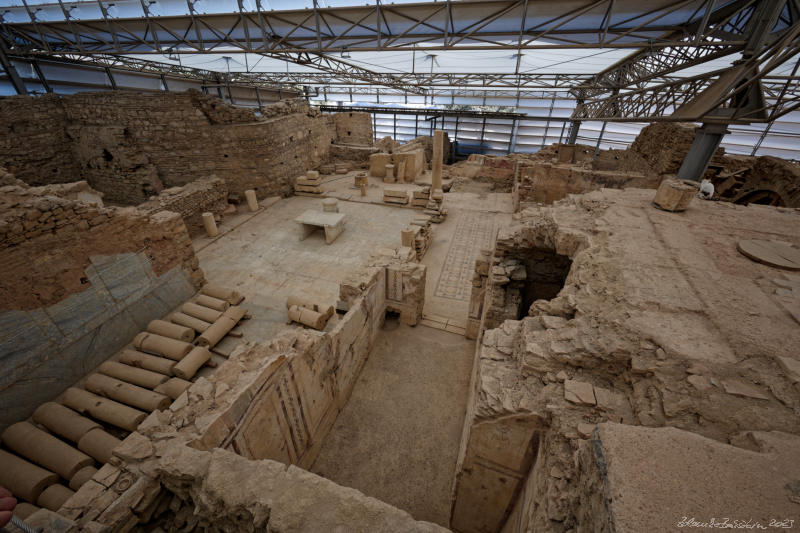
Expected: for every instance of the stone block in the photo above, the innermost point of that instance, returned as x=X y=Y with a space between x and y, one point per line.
x=579 y=392
x=377 y=164
x=738 y=485
x=414 y=161
x=675 y=195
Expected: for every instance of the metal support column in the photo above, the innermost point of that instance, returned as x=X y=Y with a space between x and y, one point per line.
x=572 y=136
x=394 y=126
x=111 y=78
x=374 y=128
x=416 y=126
x=164 y=82
x=563 y=127
x=599 y=140
x=258 y=97
x=219 y=86
x=761 y=138
x=40 y=75
x=13 y=75
x=228 y=86
x=549 y=116
x=708 y=136
x=483 y=130
x=512 y=135
x=706 y=142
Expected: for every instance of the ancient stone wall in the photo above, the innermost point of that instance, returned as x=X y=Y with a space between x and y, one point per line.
x=77 y=281
x=405 y=283
x=661 y=322
x=425 y=143
x=358 y=154
x=33 y=143
x=480 y=278
x=265 y=410
x=292 y=403
x=547 y=182
x=191 y=201
x=665 y=144
x=352 y=128
x=496 y=170
x=131 y=145
x=760 y=180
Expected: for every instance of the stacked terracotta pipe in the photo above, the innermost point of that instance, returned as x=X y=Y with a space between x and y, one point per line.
x=48 y=458
x=307 y=312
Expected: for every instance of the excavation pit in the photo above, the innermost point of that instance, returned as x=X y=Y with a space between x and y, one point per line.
x=545 y=274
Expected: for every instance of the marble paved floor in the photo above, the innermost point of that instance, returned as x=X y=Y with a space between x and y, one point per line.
x=261 y=254
x=264 y=258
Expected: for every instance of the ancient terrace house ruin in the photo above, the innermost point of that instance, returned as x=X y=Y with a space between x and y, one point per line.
x=482 y=266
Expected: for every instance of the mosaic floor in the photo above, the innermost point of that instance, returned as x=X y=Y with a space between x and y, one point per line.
x=474 y=231
x=471 y=225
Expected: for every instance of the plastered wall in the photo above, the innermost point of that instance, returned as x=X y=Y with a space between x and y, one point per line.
x=77 y=282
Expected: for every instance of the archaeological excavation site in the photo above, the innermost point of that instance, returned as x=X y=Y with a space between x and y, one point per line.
x=480 y=266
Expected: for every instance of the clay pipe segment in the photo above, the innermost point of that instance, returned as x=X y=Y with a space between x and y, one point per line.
x=63 y=421
x=212 y=303
x=301 y=301
x=24 y=479
x=146 y=361
x=158 y=345
x=98 y=444
x=44 y=449
x=102 y=409
x=126 y=393
x=173 y=331
x=131 y=374
x=189 y=321
x=215 y=291
x=189 y=365
x=203 y=313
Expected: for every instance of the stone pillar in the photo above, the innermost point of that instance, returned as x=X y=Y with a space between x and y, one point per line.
x=252 y=201
x=407 y=236
x=436 y=164
x=210 y=224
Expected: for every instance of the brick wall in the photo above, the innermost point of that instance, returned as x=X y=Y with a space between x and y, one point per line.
x=352 y=128
x=132 y=145
x=191 y=201
x=33 y=143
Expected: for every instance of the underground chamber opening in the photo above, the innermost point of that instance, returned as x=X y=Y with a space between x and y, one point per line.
x=545 y=274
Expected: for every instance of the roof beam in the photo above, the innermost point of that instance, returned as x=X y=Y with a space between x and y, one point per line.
x=742 y=93
x=463 y=25
x=649 y=63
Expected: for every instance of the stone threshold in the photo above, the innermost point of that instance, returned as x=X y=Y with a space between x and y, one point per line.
x=443 y=323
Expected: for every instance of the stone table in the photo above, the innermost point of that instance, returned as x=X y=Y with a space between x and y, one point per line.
x=332 y=223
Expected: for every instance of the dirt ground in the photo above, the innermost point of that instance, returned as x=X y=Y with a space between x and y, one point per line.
x=397 y=438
